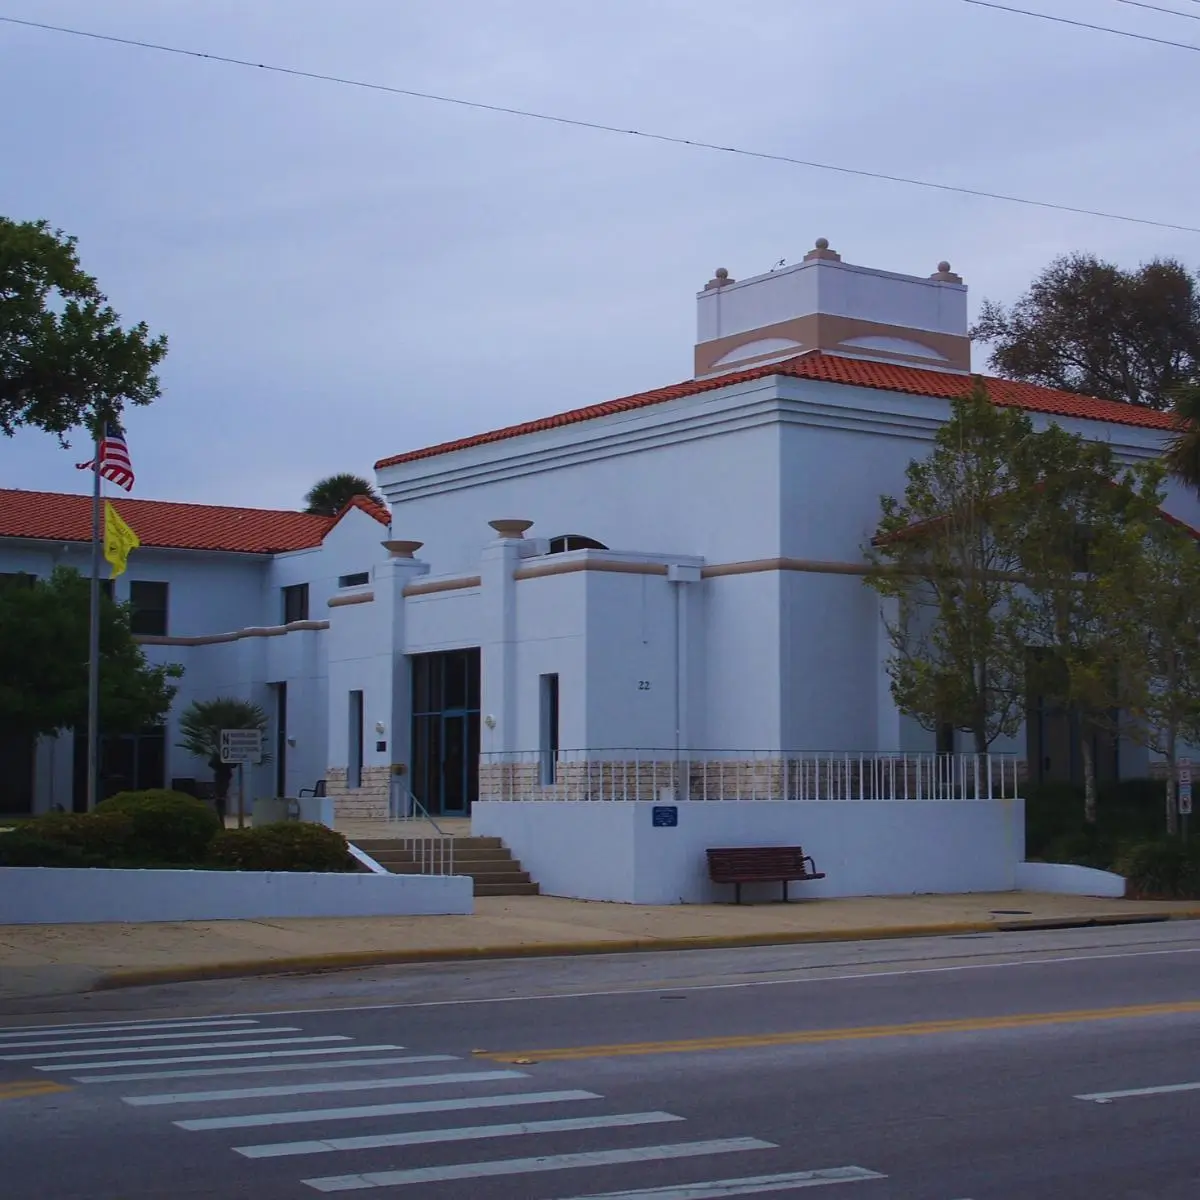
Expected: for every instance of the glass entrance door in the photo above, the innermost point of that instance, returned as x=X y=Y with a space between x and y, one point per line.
x=445 y=735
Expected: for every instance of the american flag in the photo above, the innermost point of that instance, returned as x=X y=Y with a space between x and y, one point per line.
x=115 y=464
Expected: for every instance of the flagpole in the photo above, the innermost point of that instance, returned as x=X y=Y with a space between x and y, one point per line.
x=93 y=732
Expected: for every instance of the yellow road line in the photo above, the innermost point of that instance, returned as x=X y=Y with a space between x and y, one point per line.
x=24 y=1089
x=806 y=1037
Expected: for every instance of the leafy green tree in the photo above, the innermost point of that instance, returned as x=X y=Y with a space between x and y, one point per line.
x=1158 y=606
x=65 y=361
x=327 y=497
x=1183 y=454
x=1088 y=326
x=1078 y=540
x=200 y=727
x=44 y=661
x=946 y=554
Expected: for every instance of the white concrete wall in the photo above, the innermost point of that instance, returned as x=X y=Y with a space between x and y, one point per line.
x=599 y=850
x=56 y=895
x=835 y=288
x=1067 y=879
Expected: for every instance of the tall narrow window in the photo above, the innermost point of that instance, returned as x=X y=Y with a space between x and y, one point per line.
x=281 y=735
x=149 y=607
x=549 y=728
x=354 y=764
x=295 y=603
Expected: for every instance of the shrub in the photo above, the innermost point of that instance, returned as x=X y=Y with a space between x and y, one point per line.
x=28 y=848
x=67 y=840
x=1162 y=870
x=1086 y=847
x=282 y=846
x=1052 y=810
x=165 y=826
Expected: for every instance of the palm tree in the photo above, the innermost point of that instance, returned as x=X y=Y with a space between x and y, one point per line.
x=1183 y=454
x=200 y=727
x=327 y=497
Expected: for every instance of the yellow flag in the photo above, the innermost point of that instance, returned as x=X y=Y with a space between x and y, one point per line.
x=119 y=539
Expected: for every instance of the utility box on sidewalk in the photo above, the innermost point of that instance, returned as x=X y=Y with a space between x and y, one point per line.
x=317 y=809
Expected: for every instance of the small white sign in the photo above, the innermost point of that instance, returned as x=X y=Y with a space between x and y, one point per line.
x=1185 y=771
x=241 y=746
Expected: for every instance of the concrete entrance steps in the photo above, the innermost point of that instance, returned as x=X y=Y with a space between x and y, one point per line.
x=486 y=859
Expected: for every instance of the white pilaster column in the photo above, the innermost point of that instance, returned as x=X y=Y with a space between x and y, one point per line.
x=498 y=643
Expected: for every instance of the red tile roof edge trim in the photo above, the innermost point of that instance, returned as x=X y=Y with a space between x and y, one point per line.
x=829 y=368
x=372 y=508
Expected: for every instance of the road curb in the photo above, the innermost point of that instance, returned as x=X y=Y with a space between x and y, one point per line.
x=351 y=960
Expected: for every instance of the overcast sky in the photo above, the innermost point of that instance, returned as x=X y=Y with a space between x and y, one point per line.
x=345 y=274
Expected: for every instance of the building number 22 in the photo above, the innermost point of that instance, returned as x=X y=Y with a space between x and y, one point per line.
x=643 y=685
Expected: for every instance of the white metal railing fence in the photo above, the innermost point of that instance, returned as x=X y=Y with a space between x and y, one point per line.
x=409 y=822
x=670 y=775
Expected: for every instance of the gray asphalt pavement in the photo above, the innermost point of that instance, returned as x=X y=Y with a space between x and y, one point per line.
x=1051 y=1066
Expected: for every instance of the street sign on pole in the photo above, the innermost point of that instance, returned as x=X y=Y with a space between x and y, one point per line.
x=241 y=746
x=1185 y=787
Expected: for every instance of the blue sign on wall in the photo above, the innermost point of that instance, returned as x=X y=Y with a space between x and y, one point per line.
x=665 y=816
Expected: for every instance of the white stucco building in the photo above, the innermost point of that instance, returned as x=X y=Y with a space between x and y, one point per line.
x=679 y=570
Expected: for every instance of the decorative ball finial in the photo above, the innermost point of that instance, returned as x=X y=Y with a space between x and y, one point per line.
x=944 y=267
x=722 y=273
x=822 y=243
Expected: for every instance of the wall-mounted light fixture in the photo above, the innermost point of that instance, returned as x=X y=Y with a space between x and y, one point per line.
x=379 y=727
x=490 y=721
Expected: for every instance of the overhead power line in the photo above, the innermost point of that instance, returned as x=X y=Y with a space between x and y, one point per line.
x=1041 y=16
x=1174 y=12
x=601 y=127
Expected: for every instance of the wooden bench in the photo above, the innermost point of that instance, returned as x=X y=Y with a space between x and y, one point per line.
x=760 y=864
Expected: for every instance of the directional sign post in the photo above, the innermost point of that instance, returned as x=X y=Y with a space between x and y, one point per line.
x=241 y=746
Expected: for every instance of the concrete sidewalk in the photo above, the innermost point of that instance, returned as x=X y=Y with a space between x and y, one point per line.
x=38 y=960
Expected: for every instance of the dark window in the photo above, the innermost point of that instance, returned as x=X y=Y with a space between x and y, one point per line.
x=574 y=541
x=16 y=579
x=16 y=769
x=281 y=734
x=148 y=608
x=355 y=580
x=355 y=764
x=295 y=603
x=106 y=588
x=127 y=762
x=549 y=727
x=945 y=738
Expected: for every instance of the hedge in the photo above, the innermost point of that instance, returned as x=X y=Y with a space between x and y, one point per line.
x=1161 y=870
x=282 y=846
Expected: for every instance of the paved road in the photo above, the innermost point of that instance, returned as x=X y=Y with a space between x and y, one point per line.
x=1061 y=1066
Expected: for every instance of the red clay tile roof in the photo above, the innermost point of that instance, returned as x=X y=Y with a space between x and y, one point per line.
x=831 y=368
x=68 y=518
x=372 y=508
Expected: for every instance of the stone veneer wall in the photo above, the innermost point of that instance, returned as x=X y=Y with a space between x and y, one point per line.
x=765 y=778
x=369 y=802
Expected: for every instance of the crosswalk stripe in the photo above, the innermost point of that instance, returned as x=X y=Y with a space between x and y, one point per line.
x=1169 y=1089
x=308 y=1089
x=411 y=1108
x=126 y=1027
x=429 y=1137
x=295 y=1041
x=757 y=1185
x=199 y=1058
x=264 y=1068
x=148 y=1037
x=147 y=1024
x=304 y=1116
x=549 y=1162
